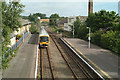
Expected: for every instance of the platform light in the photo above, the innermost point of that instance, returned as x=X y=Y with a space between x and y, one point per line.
x=73 y=30
x=89 y=38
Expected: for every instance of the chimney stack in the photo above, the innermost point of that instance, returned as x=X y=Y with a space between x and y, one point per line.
x=90 y=5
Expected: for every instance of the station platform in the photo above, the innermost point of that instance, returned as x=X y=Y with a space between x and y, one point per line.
x=105 y=62
x=23 y=64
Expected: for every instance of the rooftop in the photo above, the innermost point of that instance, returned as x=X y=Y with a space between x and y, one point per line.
x=24 y=21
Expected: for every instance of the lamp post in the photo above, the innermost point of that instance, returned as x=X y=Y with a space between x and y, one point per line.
x=89 y=37
x=73 y=30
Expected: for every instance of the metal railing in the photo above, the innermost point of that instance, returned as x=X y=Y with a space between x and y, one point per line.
x=19 y=41
x=17 y=44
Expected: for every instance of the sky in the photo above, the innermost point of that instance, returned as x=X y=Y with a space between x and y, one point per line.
x=67 y=7
x=69 y=0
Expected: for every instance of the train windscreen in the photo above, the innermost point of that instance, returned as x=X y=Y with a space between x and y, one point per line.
x=43 y=39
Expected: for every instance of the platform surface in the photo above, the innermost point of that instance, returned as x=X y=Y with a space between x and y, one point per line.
x=104 y=61
x=23 y=65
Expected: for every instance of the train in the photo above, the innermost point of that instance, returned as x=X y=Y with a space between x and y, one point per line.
x=44 y=38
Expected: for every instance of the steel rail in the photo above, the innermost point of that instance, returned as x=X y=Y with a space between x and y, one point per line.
x=80 y=67
x=82 y=59
x=41 y=54
x=49 y=60
x=87 y=74
x=75 y=75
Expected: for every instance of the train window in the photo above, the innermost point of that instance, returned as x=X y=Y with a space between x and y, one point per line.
x=43 y=39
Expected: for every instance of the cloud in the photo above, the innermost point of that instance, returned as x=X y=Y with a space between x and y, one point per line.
x=63 y=0
x=62 y=8
x=67 y=8
x=69 y=0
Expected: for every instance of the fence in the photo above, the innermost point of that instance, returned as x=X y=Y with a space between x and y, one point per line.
x=19 y=41
x=17 y=44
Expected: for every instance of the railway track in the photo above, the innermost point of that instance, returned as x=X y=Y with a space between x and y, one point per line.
x=79 y=69
x=46 y=70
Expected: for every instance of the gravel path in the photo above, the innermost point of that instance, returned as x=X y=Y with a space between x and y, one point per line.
x=60 y=66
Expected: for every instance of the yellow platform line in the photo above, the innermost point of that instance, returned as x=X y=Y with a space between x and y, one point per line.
x=90 y=61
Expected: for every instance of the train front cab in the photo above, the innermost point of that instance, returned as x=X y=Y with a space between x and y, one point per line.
x=44 y=41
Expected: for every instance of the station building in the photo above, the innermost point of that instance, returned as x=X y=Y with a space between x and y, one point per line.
x=26 y=24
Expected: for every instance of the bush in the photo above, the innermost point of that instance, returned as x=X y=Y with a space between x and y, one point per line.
x=59 y=30
x=7 y=57
x=111 y=41
x=96 y=37
x=104 y=42
x=33 y=29
x=82 y=32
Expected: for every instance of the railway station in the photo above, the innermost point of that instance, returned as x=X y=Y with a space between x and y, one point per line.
x=96 y=57
x=73 y=56
x=38 y=47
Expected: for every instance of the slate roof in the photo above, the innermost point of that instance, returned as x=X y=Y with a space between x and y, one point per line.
x=24 y=21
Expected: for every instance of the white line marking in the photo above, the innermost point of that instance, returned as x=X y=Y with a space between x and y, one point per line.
x=36 y=64
x=82 y=58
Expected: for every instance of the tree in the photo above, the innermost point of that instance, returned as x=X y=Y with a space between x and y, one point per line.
x=11 y=14
x=103 y=19
x=76 y=25
x=33 y=28
x=35 y=16
x=42 y=16
x=10 y=21
x=105 y=27
x=82 y=31
x=52 y=22
x=55 y=16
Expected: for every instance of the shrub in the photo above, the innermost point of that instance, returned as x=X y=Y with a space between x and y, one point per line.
x=96 y=37
x=59 y=30
x=104 y=42
x=33 y=29
x=82 y=32
x=111 y=41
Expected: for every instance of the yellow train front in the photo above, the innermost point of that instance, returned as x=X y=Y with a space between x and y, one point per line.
x=44 y=38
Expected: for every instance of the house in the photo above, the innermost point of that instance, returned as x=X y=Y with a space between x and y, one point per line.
x=26 y=24
x=70 y=21
x=60 y=22
x=44 y=20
